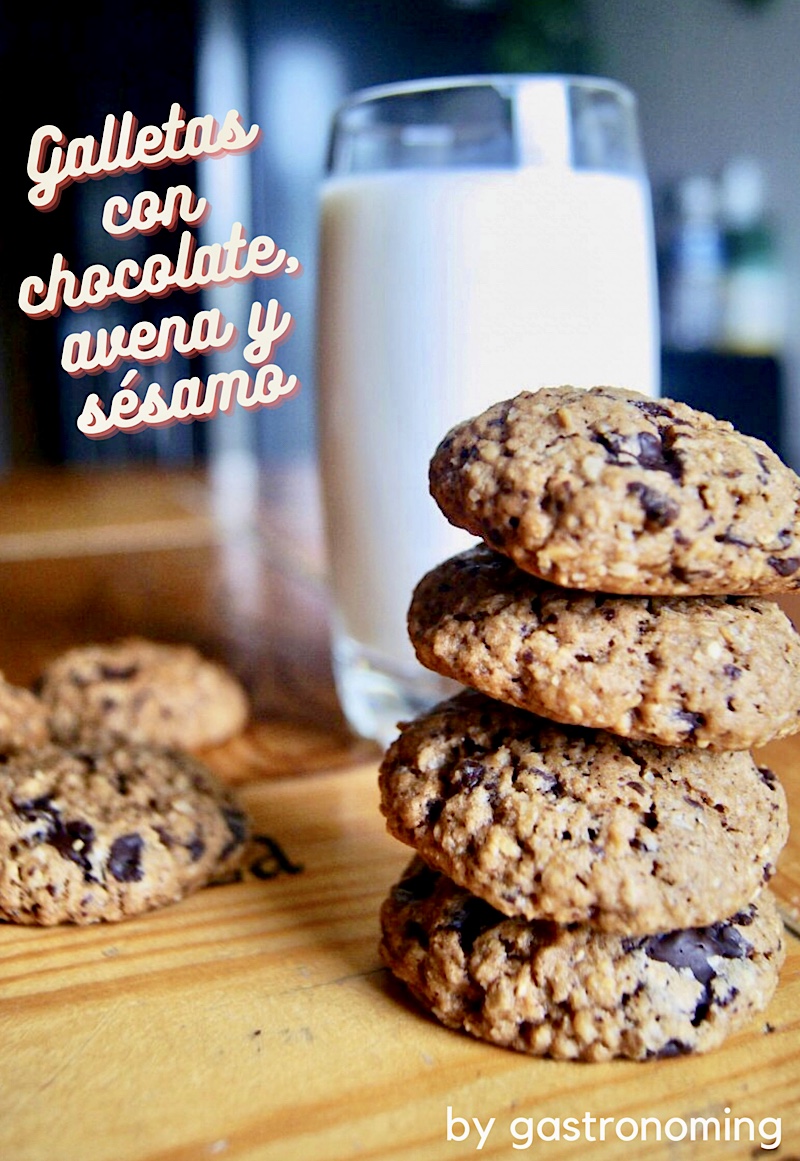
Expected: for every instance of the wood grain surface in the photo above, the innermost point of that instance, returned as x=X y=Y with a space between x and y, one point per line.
x=254 y=1021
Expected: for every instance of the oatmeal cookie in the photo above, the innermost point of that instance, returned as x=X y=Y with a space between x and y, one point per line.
x=608 y=490
x=574 y=825
x=571 y=992
x=717 y=672
x=23 y=719
x=87 y=837
x=143 y=692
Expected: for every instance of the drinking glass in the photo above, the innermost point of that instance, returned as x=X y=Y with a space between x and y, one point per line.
x=478 y=236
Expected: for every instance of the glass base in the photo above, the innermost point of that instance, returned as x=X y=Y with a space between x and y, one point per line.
x=376 y=694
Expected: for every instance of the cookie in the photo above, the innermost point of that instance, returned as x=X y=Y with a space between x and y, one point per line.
x=608 y=490
x=570 y=992
x=717 y=672
x=142 y=692
x=23 y=719
x=574 y=825
x=88 y=837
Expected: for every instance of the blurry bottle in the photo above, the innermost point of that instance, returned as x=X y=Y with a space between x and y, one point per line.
x=754 y=302
x=695 y=273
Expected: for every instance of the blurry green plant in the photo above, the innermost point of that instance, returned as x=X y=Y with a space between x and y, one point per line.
x=542 y=36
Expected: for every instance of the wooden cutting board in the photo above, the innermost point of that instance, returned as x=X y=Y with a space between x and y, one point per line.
x=254 y=1021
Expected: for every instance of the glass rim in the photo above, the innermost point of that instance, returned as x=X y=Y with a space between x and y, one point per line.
x=497 y=81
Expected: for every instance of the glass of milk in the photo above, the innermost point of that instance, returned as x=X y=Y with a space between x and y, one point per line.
x=479 y=236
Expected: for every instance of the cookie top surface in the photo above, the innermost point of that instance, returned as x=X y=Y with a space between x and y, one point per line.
x=143 y=692
x=575 y=825
x=87 y=837
x=718 y=672
x=573 y=993
x=23 y=719
x=608 y=490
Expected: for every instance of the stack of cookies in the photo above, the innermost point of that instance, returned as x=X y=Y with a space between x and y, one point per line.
x=592 y=834
x=104 y=812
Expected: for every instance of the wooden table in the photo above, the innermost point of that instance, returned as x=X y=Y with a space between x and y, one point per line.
x=255 y=1020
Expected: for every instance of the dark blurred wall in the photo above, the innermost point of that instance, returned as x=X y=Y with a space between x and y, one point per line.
x=717 y=79
x=69 y=67
x=714 y=77
x=293 y=62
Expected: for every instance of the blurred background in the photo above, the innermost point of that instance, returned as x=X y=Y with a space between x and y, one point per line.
x=720 y=113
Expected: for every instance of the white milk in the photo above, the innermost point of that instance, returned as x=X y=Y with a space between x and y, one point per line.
x=441 y=292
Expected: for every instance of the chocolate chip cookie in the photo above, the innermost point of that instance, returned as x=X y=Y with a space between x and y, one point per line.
x=570 y=992
x=574 y=825
x=718 y=672
x=87 y=837
x=143 y=692
x=23 y=719
x=607 y=490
